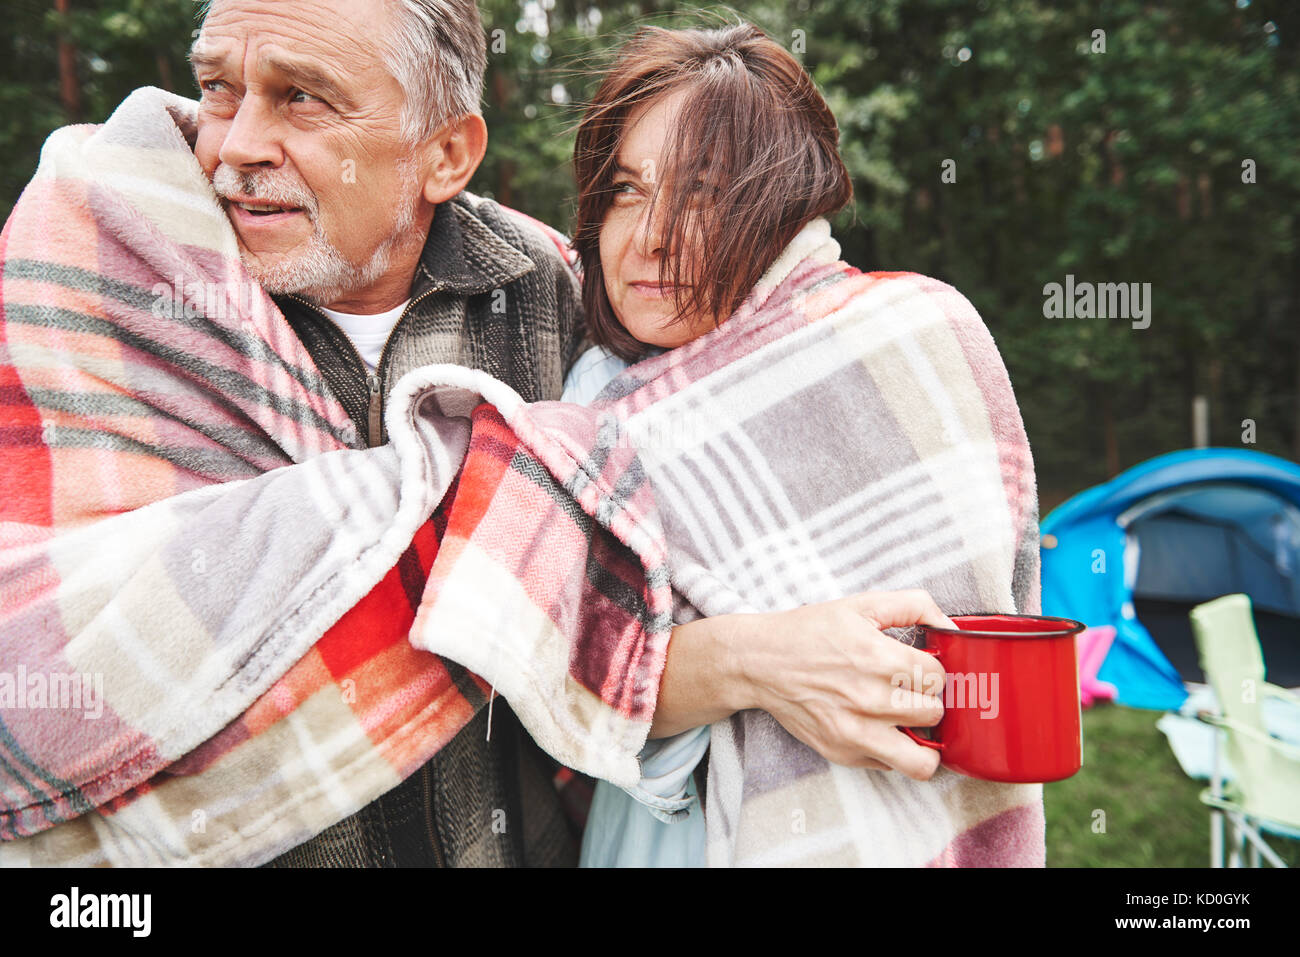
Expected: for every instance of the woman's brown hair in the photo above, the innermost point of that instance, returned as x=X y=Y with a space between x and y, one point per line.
x=752 y=126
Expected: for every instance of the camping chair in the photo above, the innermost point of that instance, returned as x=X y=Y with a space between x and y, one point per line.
x=1265 y=795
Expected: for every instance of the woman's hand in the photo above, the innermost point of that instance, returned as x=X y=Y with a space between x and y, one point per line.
x=826 y=672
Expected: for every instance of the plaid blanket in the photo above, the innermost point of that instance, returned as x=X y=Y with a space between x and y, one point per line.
x=841 y=432
x=207 y=588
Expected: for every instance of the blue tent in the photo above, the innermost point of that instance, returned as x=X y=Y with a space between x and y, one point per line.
x=1140 y=550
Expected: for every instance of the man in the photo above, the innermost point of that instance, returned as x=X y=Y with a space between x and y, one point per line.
x=341 y=137
x=303 y=126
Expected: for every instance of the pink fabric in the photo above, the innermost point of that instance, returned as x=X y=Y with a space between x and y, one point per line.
x=1091 y=645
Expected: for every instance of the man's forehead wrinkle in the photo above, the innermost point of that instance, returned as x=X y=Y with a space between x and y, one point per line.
x=202 y=58
x=204 y=52
x=342 y=46
x=271 y=64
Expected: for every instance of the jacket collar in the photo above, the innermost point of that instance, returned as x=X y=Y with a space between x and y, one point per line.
x=462 y=255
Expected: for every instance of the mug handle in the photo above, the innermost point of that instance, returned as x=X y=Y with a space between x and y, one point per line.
x=924 y=742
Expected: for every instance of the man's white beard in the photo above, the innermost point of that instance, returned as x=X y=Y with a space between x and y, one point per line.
x=318 y=272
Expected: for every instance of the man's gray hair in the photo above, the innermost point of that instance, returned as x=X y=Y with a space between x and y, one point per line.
x=437 y=52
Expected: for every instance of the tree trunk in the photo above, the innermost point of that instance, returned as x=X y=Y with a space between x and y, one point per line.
x=1111 y=438
x=505 y=194
x=1295 y=322
x=505 y=179
x=69 y=88
x=164 y=72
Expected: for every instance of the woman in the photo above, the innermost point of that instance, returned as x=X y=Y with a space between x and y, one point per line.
x=706 y=164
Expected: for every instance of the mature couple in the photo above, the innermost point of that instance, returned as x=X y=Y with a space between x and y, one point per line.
x=853 y=449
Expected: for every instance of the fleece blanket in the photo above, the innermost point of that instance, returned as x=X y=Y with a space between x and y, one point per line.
x=842 y=432
x=207 y=590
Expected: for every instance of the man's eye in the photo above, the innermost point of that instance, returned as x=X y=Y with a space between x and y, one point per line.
x=211 y=86
x=310 y=97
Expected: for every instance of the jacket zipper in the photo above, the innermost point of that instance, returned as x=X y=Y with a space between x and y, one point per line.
x=374 y=380
x=440 y=860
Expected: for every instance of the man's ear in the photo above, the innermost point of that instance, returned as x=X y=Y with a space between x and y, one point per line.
x=453 y=154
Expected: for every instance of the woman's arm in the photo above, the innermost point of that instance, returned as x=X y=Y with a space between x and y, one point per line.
x=827 y=672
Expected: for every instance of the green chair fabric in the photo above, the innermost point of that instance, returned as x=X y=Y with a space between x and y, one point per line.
x=1266 y=789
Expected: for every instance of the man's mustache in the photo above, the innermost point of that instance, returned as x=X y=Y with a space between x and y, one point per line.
x=273 y=186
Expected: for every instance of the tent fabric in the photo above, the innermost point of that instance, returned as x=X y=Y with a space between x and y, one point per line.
x=1188 y=526
x=1220 y=539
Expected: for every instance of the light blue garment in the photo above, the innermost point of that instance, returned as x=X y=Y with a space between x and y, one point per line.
x=591 y=373
x=659 y=822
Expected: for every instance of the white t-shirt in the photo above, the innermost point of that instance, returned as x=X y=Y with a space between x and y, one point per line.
x=368 y=333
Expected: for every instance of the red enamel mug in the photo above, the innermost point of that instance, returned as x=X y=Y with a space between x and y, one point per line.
x=1010 y=697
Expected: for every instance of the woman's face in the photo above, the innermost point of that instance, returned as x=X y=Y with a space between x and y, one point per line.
x=631 y=247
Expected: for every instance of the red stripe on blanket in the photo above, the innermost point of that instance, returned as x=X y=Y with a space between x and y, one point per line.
x=384 y=616
x=491 y=448
x=1013 y=838
x=22 y=453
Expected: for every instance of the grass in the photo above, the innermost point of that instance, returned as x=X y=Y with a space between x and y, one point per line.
x=1151 y=814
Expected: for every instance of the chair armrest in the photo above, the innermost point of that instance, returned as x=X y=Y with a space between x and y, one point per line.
x=1218 y=802
x=1207 y=717
x=1283 y=694
x=1284 y=748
